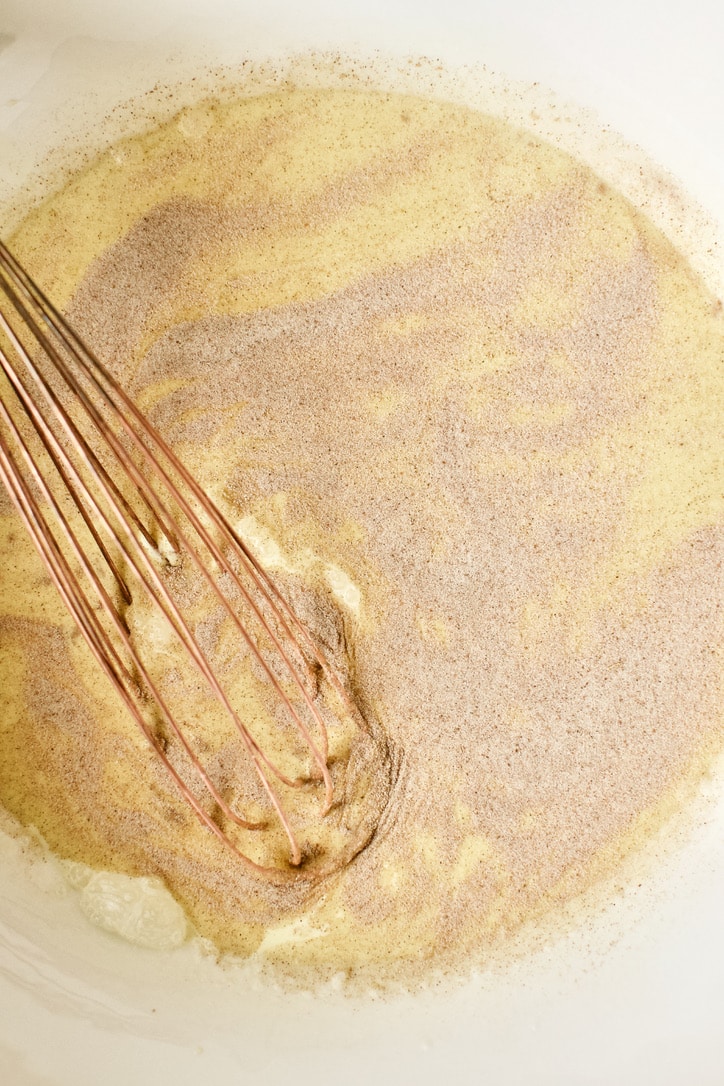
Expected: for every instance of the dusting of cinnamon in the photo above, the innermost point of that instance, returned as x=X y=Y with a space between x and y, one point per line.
x=405 y=342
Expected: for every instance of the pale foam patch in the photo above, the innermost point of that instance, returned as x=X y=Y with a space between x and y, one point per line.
x=270 y=555
x=298 y=931
x=140 y=910
x=155 y=630
x=344 y=590
x=263 y=544
x=163 y=547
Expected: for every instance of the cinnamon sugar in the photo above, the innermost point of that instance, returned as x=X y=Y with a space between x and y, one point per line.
x=493 y=432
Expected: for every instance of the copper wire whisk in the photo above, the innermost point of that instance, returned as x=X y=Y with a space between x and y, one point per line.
x=111 y=511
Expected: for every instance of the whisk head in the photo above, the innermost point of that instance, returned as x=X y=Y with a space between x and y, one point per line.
x=147 y=566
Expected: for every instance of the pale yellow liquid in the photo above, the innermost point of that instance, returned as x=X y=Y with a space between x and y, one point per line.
x=357 y=185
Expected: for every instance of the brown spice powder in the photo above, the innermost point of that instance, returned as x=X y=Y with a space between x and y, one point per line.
x=493 y=435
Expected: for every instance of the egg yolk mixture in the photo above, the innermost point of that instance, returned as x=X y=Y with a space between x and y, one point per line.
x=464 y=404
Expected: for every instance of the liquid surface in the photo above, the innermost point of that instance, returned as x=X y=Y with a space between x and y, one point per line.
x=467 y=400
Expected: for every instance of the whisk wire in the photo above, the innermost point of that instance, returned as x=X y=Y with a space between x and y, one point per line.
x=62 y=347
x=70 y=588
x=82 y=611
x=152 y=583
x=95 y=371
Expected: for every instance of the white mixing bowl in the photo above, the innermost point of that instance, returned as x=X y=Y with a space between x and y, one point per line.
x=636 y=996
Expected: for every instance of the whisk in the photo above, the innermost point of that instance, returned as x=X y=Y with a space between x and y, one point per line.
x=114 y=515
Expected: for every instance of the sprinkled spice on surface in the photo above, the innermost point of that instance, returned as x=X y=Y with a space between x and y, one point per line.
x=469 y=402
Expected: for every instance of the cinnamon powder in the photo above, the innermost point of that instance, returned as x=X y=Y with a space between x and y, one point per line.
x=427 y=350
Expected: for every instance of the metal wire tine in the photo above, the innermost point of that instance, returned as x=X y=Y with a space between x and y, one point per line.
x=66 y=335
x=102 y=649
x=69 y=339
x=107 y=603
x=187 y=519
x=63 y=416
x=182 y=632
x=172 y=535
x=123 y=588
x=67 y=422
x=286 y=610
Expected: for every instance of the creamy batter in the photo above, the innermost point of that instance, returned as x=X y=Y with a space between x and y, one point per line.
x=465 y=402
